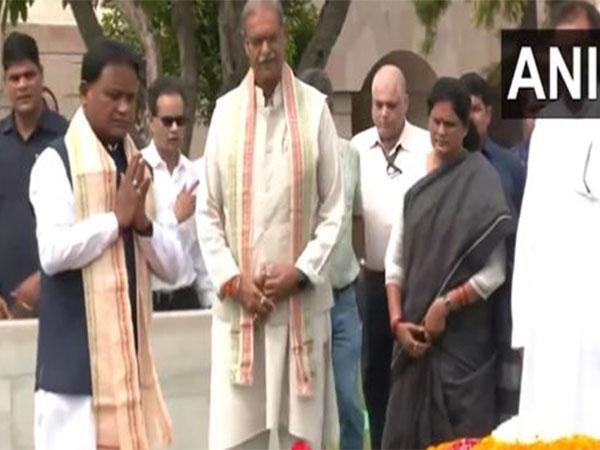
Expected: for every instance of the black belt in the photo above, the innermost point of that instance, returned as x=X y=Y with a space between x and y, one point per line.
x=168 y=296
x=338 y=291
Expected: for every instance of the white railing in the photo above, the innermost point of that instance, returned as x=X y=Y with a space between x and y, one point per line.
x=181 y=346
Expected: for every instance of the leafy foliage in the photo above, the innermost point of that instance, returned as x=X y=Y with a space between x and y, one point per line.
x=13 y=11
x=484 y=14
x=429 y=13
x=486 y=11
x=302 y=18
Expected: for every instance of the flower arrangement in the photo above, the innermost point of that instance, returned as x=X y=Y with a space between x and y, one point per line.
x=576 y=442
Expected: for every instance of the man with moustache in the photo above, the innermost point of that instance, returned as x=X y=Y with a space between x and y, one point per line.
x=96 y=384
x=268 y=223
x=24 y=133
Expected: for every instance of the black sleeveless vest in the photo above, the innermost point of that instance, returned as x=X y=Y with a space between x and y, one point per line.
x=63 y=358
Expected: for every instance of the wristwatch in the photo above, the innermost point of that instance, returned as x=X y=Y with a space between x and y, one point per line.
x=303 y=280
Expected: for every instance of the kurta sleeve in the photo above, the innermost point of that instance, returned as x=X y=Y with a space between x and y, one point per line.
x=163 y=252
x=357 y=208
x=492 y=275
x=393 y=255
x=531 y=225
x=330 y=209
x=63 y=243
x=210 y=217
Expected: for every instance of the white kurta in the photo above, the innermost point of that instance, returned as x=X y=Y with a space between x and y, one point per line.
x=556 y=287
x=238 y=413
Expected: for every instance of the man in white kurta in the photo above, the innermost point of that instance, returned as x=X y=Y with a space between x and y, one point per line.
x=268 y=410
x=556 y=288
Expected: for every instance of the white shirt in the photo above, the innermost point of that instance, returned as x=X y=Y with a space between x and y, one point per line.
x=67 y=244
x=382 y=194
x=167 y=187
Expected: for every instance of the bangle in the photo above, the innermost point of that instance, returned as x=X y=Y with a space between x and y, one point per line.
x=394 y=323
x=447 y=303
x=231 y=286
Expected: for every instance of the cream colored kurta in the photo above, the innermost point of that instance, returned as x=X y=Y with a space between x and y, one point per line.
x=240 y=412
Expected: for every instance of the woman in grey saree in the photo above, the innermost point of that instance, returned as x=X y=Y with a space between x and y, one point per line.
x=445 y=258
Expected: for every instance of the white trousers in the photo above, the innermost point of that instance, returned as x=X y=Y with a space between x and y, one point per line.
x=63 y=422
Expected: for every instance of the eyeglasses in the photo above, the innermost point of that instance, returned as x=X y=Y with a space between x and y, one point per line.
x=168 y=121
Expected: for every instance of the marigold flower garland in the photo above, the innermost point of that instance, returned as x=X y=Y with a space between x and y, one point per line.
x=576 y=442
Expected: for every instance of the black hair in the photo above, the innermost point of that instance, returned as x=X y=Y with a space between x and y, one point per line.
x=477 y=86
x=18 y=47
x=104 y=52
x=451 y=90
x=471 y=140
x=318 y=79
x=574 y=9
x=162 y=86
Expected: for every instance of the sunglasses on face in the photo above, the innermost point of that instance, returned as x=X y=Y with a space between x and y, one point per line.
x=168 y=121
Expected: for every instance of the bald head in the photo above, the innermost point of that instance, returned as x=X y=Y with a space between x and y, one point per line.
x=389 y=104
x=389 y=77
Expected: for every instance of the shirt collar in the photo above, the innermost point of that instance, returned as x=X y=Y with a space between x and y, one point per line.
x=153 y=158
x=48 y=120
x=274 y=101
x=402 y=140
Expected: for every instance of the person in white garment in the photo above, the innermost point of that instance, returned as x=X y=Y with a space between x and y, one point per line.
x=96 y=384
x=267 y=225
x=556 y=289
x=393 y=155
x=175 y=184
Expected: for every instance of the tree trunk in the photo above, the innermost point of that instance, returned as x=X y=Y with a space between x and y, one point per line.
x=331 y=20
x=233 y=58
x=86 y=19
x=139 y=23
x=135 y=15
x=183 y=17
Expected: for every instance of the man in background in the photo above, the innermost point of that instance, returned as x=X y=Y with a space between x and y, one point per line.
x=392 y=157
x=24 y=133
x=175 y=183
x=346 y=327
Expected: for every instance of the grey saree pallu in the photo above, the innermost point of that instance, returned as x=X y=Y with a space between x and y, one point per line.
x=453 y=219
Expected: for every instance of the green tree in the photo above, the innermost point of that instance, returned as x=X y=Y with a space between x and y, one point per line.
x=13 y=10
x=302 y=21
x=198 y=40
x=484 y=14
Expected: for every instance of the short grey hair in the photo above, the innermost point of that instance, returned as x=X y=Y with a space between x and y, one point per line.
x=252 y=6
x=318 y=79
